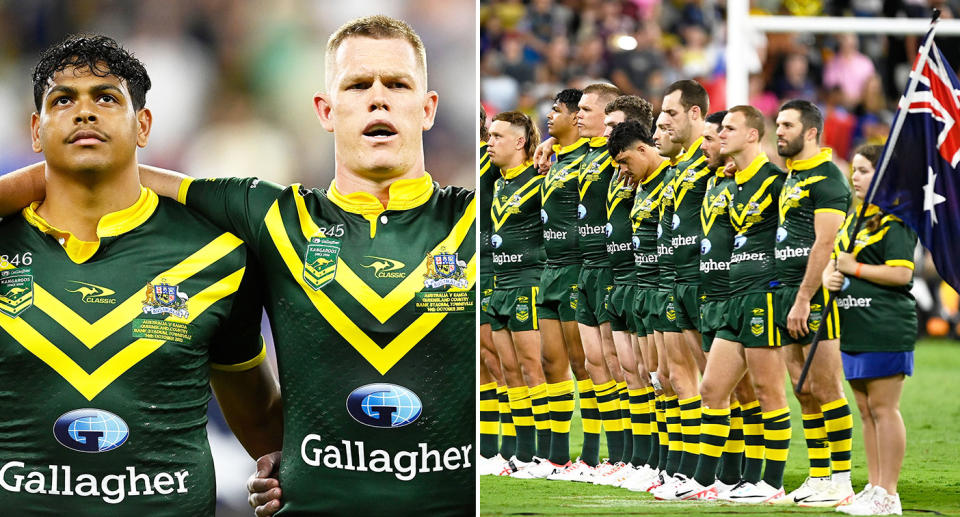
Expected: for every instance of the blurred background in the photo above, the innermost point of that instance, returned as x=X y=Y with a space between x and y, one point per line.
x=233 y=82
x=532 y=49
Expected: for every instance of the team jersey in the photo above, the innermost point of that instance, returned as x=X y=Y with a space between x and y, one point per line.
x=373 y=315
x=559 y=197
x=517 y=232
x=753 y=214
x=717 y=236
x=665 y=265
x=106 y=354
x=619 y=230
x=596 y=169
x=488 y=176
x=645 y=219
x=690 y=184
x=888 y=311
x=812 y=186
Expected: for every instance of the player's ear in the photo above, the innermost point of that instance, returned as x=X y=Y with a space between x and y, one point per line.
x=323 y=106
x=430 y=100
x=35 y=132
x=144 y=123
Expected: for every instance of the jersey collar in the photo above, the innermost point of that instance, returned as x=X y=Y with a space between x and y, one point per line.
x=110 y=225
x=404 y=194
x=598 y=141
x=557 y=150
x=745 y=175
x=513 y=172
x=820 y=158
x=692 y=151
x=656 y=172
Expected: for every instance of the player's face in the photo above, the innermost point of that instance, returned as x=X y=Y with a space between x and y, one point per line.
x=590 y=116
x=734 y=133
x=505 y=141
x=378 y=107
x=560 y=120
x=661 y=136
x=677 y=119
x=636 y=160
x=611 y=120
x=87 y=123
x=862 y=175
x=711 y=146
x=789 y=133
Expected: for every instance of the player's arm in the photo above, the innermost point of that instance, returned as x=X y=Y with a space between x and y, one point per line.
x=164 y=182
x=825 y=225
x=21 y=187
x=251 y=404
x=543 y=154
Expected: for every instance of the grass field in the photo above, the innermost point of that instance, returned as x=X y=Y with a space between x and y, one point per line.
x=929 y=481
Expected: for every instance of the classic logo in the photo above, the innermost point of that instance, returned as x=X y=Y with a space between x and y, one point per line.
x=164 y=298
x=90 y=430
x=320 y=261
x=445 y=269
x=384 y=405
x=91 y=293
x=758 y=311
x=385 y=268
x=16 y=291
x=756 y=325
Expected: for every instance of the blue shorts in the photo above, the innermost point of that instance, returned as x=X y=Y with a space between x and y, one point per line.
x=872 y=365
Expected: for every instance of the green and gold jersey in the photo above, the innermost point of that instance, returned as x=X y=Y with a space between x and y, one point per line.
x=619 y=230
x=665 y=266
x=717 y=236
x=106 y=354
x=753 y=214
x=488 y=176
x=645 y=219
x=888 y=311
x=373 y=315
x=812 y=186
x=517 y=231
x=596 y=169
x=689 y=187
x=560 y=197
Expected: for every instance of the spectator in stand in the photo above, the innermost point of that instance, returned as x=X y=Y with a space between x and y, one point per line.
x=849 y=69
x=795 y=83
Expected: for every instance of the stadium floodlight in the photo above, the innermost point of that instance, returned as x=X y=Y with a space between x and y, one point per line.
x=740 y=23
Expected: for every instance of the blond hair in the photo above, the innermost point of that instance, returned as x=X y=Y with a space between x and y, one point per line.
x=376 y=27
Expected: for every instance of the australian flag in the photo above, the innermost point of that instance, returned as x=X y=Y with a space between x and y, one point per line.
x=921 y=181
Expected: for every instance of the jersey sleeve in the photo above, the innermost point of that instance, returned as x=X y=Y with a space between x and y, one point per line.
x=237 y=345
x=899 y=244
x=831 y=195
x=237 y=205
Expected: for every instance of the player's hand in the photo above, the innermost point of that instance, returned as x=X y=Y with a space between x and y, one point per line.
x=846 y=264
x=542 y=155
x=797 y=319
x=264 y=487
x=730 y=169
x=833 y=281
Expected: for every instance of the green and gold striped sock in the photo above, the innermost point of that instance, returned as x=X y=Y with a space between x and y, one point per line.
x=776 y=443
x=714 y=430
x=640 y=426
x=561 y=411
x=520 y=408
x=731 y=461
x=625 y=422
x=662 y=433
x=839 y=424
x=489 y=420
x=818 y=450
x=508 y=433
x=590 y=416
x=674 y=435
x=608 y=401
x=753 y=441
x=541 y=419
x=690 y=434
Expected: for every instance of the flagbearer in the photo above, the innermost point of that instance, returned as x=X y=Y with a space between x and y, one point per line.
x=878 y=328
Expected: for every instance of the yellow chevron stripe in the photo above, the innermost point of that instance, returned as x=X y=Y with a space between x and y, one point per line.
x=498 y=223
x=90 y=334
x=612 y=199
x=382 y=359
x=497 y=207
x=783 y=209
x=90 y=385
x=605 y=160
x=738 y=219
x=556 y=178
x=679 y=178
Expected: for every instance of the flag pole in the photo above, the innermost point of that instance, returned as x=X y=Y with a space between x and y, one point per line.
x=902 y=113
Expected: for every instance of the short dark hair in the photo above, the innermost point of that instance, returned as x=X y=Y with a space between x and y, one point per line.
x=483 y=125
x=530 y=131
x=570 y=98
x=871 y=152
x=752 y=116
x=692 y=94
x=810 y=114
x=633 y=108
x=625 y=134
x=716 y=117
x=102 y=55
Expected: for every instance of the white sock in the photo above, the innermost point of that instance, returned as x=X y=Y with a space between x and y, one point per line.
x=841 y=476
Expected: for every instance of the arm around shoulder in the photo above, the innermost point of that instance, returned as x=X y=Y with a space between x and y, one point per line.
x=21 y=187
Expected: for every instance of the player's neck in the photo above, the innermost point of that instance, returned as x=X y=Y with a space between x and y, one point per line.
x=349 y=181
x=744 y=158
x=76 y=201
x=569 y=138
x=696 y=131
x=514 y=161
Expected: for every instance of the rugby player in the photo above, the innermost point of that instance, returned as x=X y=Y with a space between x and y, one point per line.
x=557 y=297
x=369 y=279
x=813 y=205
x=517 y=243
x=748 y=339
x=118 y=365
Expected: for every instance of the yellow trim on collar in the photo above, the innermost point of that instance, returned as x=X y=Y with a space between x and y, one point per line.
x=663 y=165
x=557 y=150
x=744 y=176
x=482 y=143
x=825 y=155
x=404 y=195
x=110 y=225
x=513 y=172
x=598 y=141
x=693 y=149
x=871 y=210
